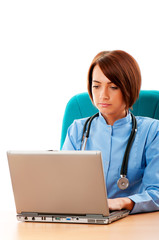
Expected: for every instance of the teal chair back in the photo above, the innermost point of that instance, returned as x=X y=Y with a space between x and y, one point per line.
x=80 y=106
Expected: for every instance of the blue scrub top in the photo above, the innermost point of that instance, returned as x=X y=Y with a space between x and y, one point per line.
x=143 y=165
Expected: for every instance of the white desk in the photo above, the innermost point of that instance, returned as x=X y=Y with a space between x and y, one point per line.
x=134 y=227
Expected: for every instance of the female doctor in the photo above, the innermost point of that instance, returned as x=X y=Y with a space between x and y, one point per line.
x=114 y=82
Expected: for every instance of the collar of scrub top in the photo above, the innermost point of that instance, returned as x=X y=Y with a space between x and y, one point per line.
x=118 y=122
x=87 y=125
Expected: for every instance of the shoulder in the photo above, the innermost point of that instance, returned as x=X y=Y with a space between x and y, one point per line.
x=148 y=128
x=76 y=128
x=78 y=123
x=145 y=122
x=84 y=122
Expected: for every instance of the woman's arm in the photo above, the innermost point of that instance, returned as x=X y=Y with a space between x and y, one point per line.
x=147 y=199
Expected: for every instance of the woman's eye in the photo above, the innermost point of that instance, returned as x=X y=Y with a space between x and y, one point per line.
x=95 y=86
x=114 y=87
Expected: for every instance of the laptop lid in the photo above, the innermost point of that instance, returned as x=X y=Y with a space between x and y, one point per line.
x=58 y=182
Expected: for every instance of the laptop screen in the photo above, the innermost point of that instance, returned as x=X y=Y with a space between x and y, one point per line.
x=58 y=182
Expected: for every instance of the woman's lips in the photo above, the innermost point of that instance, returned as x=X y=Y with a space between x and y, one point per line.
x=104 y=105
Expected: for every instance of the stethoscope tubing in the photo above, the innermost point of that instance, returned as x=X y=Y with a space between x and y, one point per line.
x=123 y=171
x=123 y=182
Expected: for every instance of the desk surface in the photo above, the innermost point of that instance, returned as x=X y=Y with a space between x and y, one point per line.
x=140 y=226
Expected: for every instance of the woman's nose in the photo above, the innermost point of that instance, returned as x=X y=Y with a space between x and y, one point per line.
x=104 y=93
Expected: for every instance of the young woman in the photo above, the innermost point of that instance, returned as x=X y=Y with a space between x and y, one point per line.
x=114 y=82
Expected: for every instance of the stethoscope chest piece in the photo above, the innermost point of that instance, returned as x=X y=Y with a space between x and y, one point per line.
x=123 y=183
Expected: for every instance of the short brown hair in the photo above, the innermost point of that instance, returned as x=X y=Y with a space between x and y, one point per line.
x=122 y=70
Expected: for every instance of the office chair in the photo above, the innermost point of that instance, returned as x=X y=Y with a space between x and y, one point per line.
x=80 y=106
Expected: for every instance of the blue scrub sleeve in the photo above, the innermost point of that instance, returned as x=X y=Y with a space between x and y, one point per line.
x=148 y=198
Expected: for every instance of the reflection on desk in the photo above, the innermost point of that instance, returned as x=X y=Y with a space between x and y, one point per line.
x=144 y=226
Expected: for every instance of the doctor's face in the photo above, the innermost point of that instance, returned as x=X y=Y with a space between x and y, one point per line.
x=107 y=97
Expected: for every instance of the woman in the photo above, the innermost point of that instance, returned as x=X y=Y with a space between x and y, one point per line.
x=114 y=82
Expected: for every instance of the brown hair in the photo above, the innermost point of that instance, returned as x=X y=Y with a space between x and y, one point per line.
x=122 y=70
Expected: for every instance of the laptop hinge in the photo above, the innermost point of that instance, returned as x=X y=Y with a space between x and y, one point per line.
x=29 y=214
x=94 y=216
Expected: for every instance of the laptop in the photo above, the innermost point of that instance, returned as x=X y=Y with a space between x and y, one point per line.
x=60 y=187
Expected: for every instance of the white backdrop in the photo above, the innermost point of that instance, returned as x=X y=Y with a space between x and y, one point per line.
x=46 y=47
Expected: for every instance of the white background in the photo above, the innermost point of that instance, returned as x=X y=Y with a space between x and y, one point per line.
x=46 y=48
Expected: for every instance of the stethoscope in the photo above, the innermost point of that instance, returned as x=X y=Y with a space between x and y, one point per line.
x=123 y=181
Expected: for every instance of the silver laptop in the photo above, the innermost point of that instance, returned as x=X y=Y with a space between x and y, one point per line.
x=60 y=186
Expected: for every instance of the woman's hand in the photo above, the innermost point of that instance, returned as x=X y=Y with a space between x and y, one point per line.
x=120 y=203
